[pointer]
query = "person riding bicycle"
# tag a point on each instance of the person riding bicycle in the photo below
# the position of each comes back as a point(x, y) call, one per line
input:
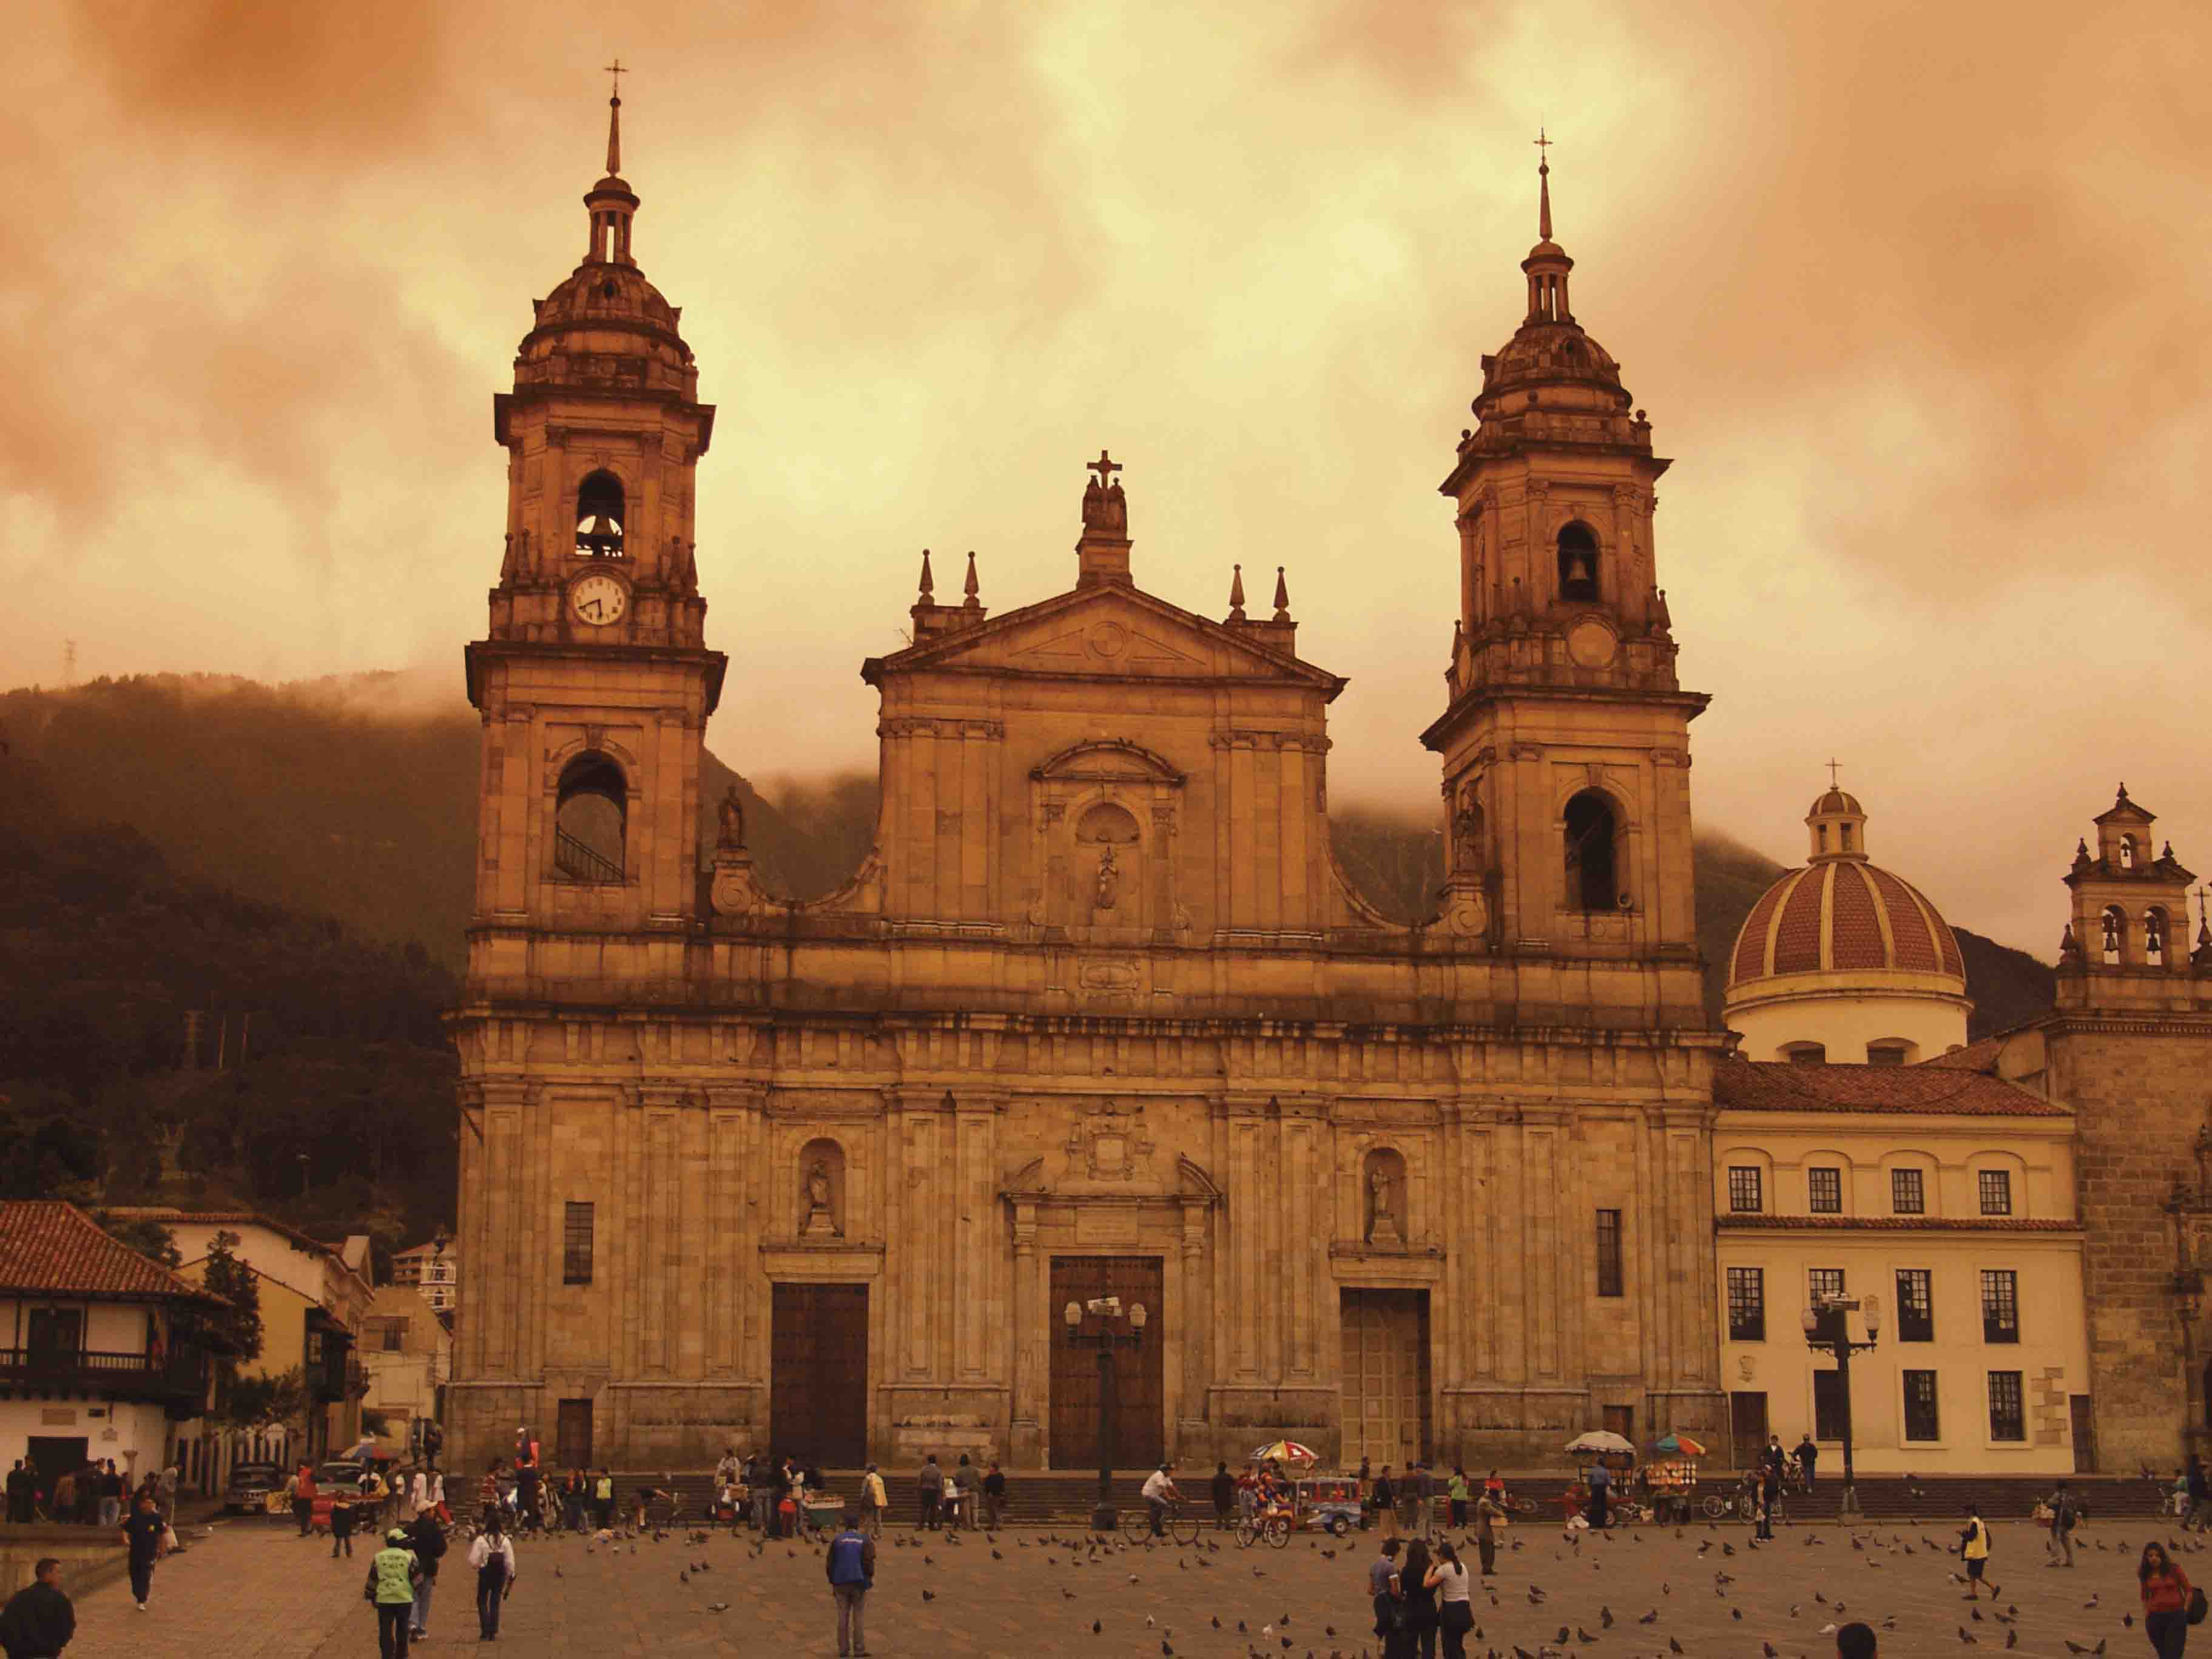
point(1159, 1491)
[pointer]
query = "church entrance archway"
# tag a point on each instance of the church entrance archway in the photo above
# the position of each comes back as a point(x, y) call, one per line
point(817, 1407)
point(1139, 1375)
point(1385, 1376)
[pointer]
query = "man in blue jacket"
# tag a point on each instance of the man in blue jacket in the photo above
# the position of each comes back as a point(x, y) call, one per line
point(852, 1574)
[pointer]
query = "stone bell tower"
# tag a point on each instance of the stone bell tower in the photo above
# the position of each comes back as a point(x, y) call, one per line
point(1565, 744)
point(594, 681)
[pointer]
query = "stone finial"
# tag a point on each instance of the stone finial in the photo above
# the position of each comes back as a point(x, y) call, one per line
point(2080, 854)
point(928, 582)
point(1282, 597)
point(970, 587)
point(2068, 950)
point(1236, 593)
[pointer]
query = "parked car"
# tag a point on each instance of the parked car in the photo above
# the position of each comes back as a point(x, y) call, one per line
point(247, 1491)
point(344, 1475)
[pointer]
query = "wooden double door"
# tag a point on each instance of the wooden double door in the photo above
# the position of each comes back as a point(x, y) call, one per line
point(1139, 1373)
point(1386, 1377)
point(818, 1374)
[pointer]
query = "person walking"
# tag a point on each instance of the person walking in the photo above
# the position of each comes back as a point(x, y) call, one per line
point(1599, 1481)
point(994, 1496)
point(1417, 1598)
point(145, 1536)
point(1974, 1549)
point(1224, 1497)
point(1489, 1511)
point(2065, 1514)
point(1421, 1495)
point(393, 1572)
point(1382, 1496)
point(1455, 1494)
point(487, 1494)
point(493, 1557)
point(303, 1499)
point(1389, 1608)
point(929, 1487)
point(1454, 1590)
point(1808, 1459)
point(341, 1525)
point(852, 1570)
point(2167, 1593)
point(874, 1500)
point(39, 1620)
point(1769, 1494)
point(428, 1540)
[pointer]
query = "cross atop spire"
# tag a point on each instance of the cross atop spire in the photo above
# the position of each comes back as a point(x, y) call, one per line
point(1834, 766)
point(1543, 187)
point(614, 119)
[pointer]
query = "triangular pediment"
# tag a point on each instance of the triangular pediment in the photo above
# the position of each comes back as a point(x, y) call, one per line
point(1107, 630)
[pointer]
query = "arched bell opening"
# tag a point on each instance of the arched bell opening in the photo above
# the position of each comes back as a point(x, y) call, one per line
point(600, 513)
point(590, 820)
point(1592, 859)
point(1577, 548)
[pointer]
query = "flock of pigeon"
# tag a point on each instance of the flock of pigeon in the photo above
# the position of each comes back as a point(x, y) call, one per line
point(1059, 1553)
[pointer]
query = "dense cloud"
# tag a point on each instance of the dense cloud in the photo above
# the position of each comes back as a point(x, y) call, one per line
point(1914, 294)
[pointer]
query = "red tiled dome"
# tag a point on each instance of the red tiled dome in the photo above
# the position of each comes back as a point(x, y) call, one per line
point(1843, 916)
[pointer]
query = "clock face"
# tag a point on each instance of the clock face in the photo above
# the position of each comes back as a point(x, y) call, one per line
point(598, 599)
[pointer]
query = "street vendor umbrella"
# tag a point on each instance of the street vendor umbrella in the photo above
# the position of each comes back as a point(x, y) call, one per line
point(1600, 1440)
point(1286, 1451)
point(1679, 1445)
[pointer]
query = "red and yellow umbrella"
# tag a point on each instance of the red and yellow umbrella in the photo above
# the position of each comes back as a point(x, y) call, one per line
point(1285, 1452)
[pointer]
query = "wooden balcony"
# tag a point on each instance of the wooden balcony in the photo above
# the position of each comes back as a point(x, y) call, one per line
point(176, 1378)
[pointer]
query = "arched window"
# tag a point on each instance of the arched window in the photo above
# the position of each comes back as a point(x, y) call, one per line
point(1577, 563)
point(2115, 925)
point(2127, 852)
point(1844, 830)
point(599, 515)
point(2154, 925)
point(590, 820)
point(1592, 883)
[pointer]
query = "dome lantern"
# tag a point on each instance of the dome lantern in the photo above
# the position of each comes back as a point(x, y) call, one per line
point(1837, 823)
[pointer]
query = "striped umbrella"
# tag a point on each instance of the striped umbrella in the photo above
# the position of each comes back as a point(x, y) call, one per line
point(1679, 1445)
point(1285, 1452)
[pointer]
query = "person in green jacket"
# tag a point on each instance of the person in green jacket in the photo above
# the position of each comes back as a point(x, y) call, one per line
point(393, 1572)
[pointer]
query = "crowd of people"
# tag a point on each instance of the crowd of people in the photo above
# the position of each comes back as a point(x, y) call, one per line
point(94, 1494)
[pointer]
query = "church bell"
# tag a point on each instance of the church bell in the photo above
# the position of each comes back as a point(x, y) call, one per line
point(602, 540)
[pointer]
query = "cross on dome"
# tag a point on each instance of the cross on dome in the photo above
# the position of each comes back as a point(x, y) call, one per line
point(1105, 466)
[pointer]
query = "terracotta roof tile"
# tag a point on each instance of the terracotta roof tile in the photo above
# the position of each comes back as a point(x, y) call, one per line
point(49, 1246)
point(1751, 943)
point(1907, 1224)
point(1797, 943)
point(1769, 1085)
point(1908, 927)
point(1856, 931)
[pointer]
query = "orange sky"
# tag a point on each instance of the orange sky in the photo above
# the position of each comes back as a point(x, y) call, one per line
point(1917, 297)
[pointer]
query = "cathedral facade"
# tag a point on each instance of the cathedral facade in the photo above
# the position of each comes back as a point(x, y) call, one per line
point(1100, 1014)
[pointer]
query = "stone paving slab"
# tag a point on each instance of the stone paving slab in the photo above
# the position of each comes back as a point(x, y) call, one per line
point(252, 1590)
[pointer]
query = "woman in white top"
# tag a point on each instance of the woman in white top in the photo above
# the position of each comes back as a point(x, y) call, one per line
point(1454, 1610)
point(493, 1557)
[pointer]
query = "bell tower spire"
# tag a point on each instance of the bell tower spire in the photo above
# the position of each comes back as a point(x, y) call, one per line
point(1565, 743)
point(611, 204)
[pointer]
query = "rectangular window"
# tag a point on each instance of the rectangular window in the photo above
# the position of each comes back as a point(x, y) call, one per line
point(2000, 1305)
point(1824, 1188)
point(2007, 1421)
point(1746, 1195)
point(1996, 1192)
point(395, 1335)
point(1608, 1253)
point(1827, 1406)
point(1908, 1193)
point(1921, 1421)
point(1826, 1285)
point(1916, 1305)
point(576, 1244)
point(1747, 1292)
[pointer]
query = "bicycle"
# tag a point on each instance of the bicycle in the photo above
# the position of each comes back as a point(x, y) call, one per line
point(1272, 1527)
point(1137, 1524)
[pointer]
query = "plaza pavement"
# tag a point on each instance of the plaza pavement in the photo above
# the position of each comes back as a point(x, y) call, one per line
point(252, 1589)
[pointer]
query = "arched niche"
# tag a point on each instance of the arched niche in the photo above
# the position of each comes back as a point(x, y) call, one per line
point(2157, 935)
point(1383, 1193)
point(591, 819)
point(820, 1189)
point(1594, 845)
point(1104, 817)
point(2112, 929)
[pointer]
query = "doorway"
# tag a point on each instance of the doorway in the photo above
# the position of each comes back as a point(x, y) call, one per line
point(1747, 1428)
point(1385, 1376)
point(818, 1397)
point(1139, 1374)
point(1621, 1420)
point(572, 1434)
point(2085, 1434)
point(54, 1455)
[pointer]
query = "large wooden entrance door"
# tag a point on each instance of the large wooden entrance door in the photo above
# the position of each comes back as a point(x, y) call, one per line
point(572, 1434)
point(1746, 1427)
point(1139, 1376)
point(817, 1404)
point(1386, 1377)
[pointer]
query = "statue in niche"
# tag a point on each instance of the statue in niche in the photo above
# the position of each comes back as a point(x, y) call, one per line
point(731, 812)
point(1467, 832)
point(1109, 885)
point(1382, 1208)
point(821, 1219)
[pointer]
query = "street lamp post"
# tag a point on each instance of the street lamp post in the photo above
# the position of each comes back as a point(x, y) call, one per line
point(1837, 1341)
point(1108, 1341)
